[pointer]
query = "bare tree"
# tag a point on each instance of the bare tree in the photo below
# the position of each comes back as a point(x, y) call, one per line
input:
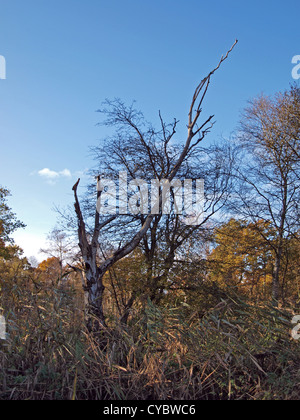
point(60, 247)
point(134, 138)
point(164, 245)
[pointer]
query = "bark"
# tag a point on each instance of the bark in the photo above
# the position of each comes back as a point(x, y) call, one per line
point(277, 266)
point(276, 279)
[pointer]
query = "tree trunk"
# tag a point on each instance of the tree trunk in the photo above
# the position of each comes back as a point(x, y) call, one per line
point(276, 277)
point(124, 317)
point(94, 290)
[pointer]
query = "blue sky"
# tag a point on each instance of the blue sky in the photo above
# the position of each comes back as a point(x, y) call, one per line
point(64, 57)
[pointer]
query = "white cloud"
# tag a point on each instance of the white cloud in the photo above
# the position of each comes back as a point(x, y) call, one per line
point(53, 176)
point(47, 173)
point(31, 243)
point(66, 173)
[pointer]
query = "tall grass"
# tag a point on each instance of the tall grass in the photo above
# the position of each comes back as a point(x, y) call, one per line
point(235, 351)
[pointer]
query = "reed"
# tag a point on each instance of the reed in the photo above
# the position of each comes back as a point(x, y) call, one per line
point(235, 351)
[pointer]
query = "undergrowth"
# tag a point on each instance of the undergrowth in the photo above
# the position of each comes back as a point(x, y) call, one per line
point(235, 351)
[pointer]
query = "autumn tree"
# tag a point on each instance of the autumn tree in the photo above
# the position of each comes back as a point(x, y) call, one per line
point(8, 224)
point(241, 258)
point(50, 271)
point(269, 170)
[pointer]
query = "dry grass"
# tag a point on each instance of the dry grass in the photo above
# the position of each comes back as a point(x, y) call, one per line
point(236, 351)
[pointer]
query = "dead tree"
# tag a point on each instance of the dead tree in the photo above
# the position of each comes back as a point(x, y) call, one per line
point(162, 166)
